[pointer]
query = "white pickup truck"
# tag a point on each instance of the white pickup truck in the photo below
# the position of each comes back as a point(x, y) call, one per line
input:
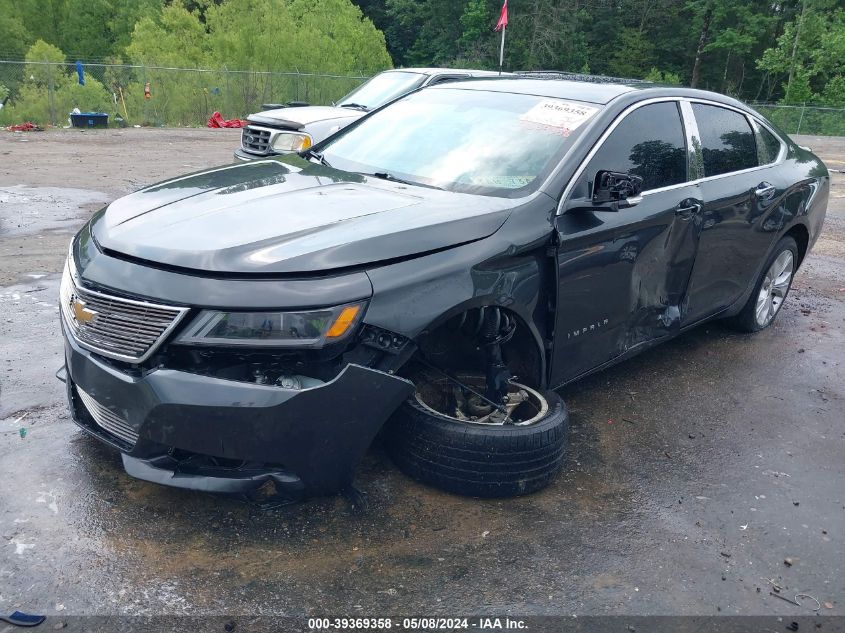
point(295, 129)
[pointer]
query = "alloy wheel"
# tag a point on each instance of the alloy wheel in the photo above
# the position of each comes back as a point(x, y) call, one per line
point(775, 286)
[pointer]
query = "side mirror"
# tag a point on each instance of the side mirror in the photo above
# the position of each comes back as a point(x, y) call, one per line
point(616, 190)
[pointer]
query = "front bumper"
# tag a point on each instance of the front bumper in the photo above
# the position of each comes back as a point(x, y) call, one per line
point(241, 155)
point(205, 433)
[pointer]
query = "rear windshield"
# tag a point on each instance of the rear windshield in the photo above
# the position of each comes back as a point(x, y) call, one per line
point(472, 141)
point(383, 88)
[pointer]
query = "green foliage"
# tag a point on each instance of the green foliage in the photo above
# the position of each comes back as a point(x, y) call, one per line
point(834, 93)
point(634, 55)
point(475, 23)
point(325, 36)
point(175, 37)
point(85, 32)
point(14, 36)
point(810, 55)
point(759, 50)
point(50, 92)
point(801, 120)
point(663, 77)
point(40, 68)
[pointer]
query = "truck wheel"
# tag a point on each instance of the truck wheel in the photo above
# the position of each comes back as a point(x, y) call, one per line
point(771, 289)
point(433, 440)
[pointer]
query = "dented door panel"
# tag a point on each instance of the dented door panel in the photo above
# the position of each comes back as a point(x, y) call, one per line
point(622, 277)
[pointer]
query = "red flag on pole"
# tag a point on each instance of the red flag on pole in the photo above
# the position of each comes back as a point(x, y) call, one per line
point(502, 25)
point(503, 18)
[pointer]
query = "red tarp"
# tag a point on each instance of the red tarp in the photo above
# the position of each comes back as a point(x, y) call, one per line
point(25, 127)
point(217, 120)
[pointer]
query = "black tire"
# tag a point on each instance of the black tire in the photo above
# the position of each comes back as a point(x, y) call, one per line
point(746, 320)
point(479, 460)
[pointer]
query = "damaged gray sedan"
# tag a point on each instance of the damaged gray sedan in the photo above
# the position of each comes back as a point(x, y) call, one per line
point(434, 271)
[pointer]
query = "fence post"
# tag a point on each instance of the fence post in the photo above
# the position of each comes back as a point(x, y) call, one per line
point(801, 118)
point(50, 94)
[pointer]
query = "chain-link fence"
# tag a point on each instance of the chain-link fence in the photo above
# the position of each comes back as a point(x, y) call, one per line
point(804, 119)
point(45, 93)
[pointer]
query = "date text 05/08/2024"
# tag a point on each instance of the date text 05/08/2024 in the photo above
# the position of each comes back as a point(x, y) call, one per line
point(416, 624)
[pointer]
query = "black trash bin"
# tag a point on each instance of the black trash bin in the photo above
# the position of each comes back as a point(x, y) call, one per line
point(89, 119)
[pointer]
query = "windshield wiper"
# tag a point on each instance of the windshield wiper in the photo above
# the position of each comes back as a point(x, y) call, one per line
point(356, 106)
point(383, 175)
point(310, 153)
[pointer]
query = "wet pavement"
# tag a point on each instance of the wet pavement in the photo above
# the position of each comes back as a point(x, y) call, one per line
point(695, 470)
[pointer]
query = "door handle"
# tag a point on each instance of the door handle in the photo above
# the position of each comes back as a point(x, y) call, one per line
point(765, 191)
point(687, 209)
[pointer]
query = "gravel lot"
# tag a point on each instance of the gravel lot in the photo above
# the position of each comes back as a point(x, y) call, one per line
point(694, 471)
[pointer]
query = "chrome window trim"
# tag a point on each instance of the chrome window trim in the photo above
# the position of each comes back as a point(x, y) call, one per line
point(77, 285)
point(695, 167)
point(681, 101)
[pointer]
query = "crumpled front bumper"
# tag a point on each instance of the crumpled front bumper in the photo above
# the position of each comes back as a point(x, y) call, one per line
point(241, 155)
point(191, 428)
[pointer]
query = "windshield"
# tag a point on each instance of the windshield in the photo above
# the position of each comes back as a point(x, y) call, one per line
point(490, 143)
point(382, 88)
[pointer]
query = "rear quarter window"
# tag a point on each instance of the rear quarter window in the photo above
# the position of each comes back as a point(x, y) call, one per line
point(768, 146)
point(727, 140)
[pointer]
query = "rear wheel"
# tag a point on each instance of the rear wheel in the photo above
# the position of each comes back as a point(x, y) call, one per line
point(447, 436)
point(771, 289)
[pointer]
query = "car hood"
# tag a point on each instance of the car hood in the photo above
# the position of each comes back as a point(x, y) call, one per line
point(288, 215)
point(300, 118)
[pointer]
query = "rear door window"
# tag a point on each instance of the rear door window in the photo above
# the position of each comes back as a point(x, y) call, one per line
point(727, 140)
point(649, 143)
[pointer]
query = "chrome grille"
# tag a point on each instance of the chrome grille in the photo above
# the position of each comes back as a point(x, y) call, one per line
point(107, 419)
point(255, 140)
point(125, 329)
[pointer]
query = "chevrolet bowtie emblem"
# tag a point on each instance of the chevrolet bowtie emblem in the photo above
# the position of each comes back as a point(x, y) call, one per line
point(81, 314)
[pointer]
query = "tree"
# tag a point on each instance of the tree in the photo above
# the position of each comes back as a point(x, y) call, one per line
point(14, 36)
point(810, 54)
point(282, 36)
point(704, 11)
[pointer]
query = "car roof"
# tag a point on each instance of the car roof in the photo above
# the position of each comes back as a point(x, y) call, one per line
point(591, 90)
point(447, 71)
point(600, 93)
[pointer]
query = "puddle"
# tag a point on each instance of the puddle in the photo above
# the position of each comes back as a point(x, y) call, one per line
point(30, 210)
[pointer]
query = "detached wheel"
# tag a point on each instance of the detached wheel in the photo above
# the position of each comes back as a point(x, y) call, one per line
point(771, 289)
point(446, 437)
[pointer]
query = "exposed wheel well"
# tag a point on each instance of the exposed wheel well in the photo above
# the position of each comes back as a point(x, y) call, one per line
point(454, 346)
point(801, 236)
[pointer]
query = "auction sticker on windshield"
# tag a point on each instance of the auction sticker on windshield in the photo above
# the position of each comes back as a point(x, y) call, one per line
point(564, 116)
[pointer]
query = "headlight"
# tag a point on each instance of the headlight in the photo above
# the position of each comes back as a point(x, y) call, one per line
point(310, 329)
point(291, 142)
point(67, 287)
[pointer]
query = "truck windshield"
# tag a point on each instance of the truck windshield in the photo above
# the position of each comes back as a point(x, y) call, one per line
point(472, 141)
point(381, 89)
